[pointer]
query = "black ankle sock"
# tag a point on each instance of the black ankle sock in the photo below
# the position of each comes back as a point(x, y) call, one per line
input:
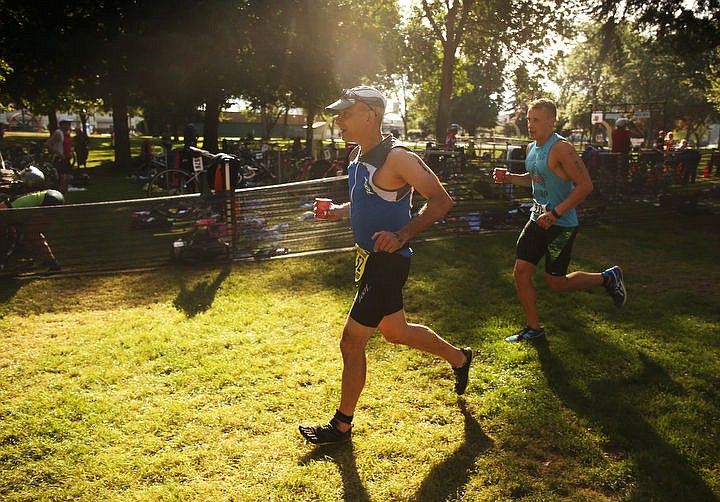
point(341, 417)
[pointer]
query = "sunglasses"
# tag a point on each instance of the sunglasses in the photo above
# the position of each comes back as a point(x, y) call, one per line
point(351, 95)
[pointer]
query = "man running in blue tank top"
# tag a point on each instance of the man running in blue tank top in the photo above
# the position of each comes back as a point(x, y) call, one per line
point(559, 182)
point(382, 175)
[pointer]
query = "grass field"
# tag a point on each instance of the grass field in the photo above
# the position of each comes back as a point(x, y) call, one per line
point(186, 384)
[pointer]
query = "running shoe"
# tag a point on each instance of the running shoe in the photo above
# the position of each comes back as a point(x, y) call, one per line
point(463, 372)
point(325, 434)
point(527, 333)
point(615, 286)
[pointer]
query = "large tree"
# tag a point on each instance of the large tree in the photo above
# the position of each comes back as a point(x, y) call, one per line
point(448, 24)
point(485, 34)
point(686, 26)
point(639, 77)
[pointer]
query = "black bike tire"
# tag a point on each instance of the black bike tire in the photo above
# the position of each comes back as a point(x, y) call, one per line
point(190, 185)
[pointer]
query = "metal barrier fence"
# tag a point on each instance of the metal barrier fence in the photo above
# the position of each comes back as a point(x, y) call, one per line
point(270, 221)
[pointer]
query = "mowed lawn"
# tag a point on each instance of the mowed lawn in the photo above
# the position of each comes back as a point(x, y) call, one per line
point(189, 384)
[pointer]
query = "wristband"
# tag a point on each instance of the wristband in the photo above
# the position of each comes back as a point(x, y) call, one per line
point(554, 213)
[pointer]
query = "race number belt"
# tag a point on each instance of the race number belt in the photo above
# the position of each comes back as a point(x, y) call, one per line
point(361, 257)
point(539, 209)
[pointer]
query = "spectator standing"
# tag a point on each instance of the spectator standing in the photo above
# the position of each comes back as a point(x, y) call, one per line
point(80, 143)
point(669, 141)
point(451, 137)
point(660, 140)
point(621, 137)
point(559, 182)
point(60, 146)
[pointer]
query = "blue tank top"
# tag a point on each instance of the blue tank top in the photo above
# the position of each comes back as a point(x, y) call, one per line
point(373, 209)
point(548, 188)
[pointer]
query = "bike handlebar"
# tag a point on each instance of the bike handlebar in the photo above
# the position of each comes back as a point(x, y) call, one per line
point(205, 153)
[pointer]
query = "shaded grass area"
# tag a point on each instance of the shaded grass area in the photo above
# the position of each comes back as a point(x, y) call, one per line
point(189, 384)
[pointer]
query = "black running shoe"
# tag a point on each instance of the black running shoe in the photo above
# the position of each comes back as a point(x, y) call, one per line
point(463, 372)
point(324, 434)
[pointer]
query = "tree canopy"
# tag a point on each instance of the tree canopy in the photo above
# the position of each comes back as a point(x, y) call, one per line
point(458, 61)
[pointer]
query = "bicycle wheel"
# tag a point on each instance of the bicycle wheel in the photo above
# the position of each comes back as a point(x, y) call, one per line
point(172, 182)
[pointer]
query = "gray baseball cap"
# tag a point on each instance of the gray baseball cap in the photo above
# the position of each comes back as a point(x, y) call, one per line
point(363, 94)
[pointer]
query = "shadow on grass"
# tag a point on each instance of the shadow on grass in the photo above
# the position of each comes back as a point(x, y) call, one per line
point(447, 479)
point(661, 472)
point(343, 455)
point(200, 297)
point(8, 289)
point(444, 481)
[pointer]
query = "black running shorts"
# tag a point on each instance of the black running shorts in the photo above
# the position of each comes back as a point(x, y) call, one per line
point(555, 244)
point(380, 288)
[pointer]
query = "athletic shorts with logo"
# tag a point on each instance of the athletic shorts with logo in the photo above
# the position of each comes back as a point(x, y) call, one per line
point(380, 288)
point(554, 243)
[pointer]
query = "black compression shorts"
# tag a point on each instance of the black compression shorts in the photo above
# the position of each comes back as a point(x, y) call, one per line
point(380, 288)
point(555, 244)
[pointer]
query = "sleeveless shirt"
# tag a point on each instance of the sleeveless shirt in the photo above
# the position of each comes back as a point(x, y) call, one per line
point(372, 208)
point(548, 188)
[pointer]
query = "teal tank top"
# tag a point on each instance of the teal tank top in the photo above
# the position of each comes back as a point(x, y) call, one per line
point(548, 188)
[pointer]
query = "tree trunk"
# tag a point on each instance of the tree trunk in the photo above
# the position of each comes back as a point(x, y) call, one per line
point(446, 85)
point(121, 131)
point(211, 123)
point(52, 121)
point(285, 122)
point(83, 121)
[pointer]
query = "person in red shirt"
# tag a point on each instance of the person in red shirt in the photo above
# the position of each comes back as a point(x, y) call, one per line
point(621, 137)
point(451, 138)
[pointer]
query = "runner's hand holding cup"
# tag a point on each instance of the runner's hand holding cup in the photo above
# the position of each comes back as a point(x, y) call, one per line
point(322, 208)
point(499, 175)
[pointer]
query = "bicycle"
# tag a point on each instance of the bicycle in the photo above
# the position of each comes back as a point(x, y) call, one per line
point(175, 181)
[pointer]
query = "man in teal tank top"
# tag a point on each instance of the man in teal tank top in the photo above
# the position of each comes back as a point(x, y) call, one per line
point(382, 176)
point(559, 181)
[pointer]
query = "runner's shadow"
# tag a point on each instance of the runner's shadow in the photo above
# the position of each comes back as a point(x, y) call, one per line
point(662, 473)
point(446, 480)
point(8, 289)
point(200, 297)
point(343, 455)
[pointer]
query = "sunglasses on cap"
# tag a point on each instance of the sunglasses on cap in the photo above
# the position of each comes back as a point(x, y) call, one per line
point(351, 95)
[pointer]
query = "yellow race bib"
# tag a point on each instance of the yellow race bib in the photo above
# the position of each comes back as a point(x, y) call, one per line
point(361, 257)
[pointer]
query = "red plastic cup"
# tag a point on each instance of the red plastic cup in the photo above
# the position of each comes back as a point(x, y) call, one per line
point(499, 174)
point(322, 206)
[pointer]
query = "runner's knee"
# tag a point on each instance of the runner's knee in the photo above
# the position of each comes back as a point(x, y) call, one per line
point(351, 342)
point(556, 283)
point(523, 271)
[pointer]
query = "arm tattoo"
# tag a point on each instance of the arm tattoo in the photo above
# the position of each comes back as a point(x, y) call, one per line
point(424, 166)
